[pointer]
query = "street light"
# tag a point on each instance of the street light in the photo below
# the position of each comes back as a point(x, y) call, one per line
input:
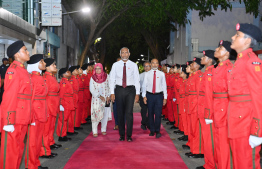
point(142, 55)
point(84, 10)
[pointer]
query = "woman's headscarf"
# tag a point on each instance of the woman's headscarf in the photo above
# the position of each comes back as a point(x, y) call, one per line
point(33, 67)
point(101, 77)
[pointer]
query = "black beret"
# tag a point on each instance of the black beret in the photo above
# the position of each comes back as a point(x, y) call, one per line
point(177, 65)
point(173, 66)
point(4, 59)
point(78, 66)
point(166, 65)
point(183, 68)
point(62, 71)
point(250, 30)
point(49, 61)
point(226, 45)
point(14, 48)
point(198, 61)
point(72, 68)
point(84, 67)
point(209, 53)
point(91, 63)
point(189, 62)
point(35, 58)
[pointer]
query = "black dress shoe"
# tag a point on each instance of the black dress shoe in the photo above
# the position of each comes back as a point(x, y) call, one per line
point(173, 127)
point(181, 138)
point(57, 145)
point(143, 127)
point(196, 156)
point(185, 147)
point(186, 138)
point(122, 139)
point(40, 167)
point(78, 128)
point(49, 157)
point(158, 135)
point(187, 154)
point(129, 139)
point(54, 154)
point(63, 139)
point(179, 132)
point(166, 119)
point(151, 133)
point(53, 147)
point(71, 134)
point(168, 123)
point(200, 167)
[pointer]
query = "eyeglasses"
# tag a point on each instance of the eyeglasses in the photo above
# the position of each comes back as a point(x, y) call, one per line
point(147, 66)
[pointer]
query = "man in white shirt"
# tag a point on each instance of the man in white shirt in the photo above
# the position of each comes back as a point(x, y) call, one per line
point(144, 122)
point(125, 88)
point(155, 95)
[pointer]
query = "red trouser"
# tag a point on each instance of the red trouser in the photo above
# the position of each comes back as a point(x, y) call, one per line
point(85, 112)
point(184, 123)
point(45, 148)
point(170, 113)
point(244, 157)
point(180, 122)
point(176, 116)
point(197, 141)
point(79, 114)
point(71, 121)
point(222, 148)
point(33, 145)
point(52, 121)
point(62, 122)
point(209, 146)
point(190, 137)
point(89, 107)
point(12, 147)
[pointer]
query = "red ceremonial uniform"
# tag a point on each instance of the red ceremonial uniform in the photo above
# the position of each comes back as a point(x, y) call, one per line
point(87, 97)
point(170, 87)
point(196, 145)
point(164, 108)
point(188, 123)
point(205, 108)
point(220, 94)
point(80, 110)
point(72, 117)
point(52, 100)
point(39, 112)
point(67, 101)
point(182, 104)
point(245, 109)
point(177, 114)
point(15, 110)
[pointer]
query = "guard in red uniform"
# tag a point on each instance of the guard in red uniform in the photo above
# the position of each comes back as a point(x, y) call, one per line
point(196, 146)
point(182, 103)
point(86, 81)
point(187, 137)
point(52, 100)
point(205, 109)
point(15, 107)
point(245, 95)
point(72, 118)
point(39, 112)
point(170, 79)
point(164, 109)
point(80, 110)
point(220, 102)
point(90, 69)
point(67, 106)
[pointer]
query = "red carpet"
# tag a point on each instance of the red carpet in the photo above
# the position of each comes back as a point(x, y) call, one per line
point(107, 152)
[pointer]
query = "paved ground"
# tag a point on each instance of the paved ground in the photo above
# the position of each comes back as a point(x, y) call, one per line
point(69, 148)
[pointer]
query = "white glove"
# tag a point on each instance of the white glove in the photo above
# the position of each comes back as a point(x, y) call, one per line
point(174, 99)
point(208, 121)
point(33, 124)
point(254, 141)
point(9, 128)
point(62, 108)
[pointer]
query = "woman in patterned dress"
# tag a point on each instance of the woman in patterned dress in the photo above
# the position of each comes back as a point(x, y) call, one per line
point(99, 87)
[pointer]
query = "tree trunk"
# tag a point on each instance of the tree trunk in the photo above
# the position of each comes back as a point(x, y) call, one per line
point(103, 51)
point(153, 44)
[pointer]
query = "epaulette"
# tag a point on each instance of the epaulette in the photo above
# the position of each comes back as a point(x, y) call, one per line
point(13, 65)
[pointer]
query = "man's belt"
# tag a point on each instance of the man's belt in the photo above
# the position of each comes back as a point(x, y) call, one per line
point(155, 93)
point(53, 94)
point(81, 89)
point(220, 95)
point(68, 95)
point(240, 98)
point(24, 96)
point(182, 95)
point(36, 97)
point(192, 92)
point(201, 93)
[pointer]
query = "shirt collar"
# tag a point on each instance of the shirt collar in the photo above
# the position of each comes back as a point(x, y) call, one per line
point(244, 53)
point(48, 73)
point(18, 63)
point(209, 67)
point(36, 73)
point(223, 63)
